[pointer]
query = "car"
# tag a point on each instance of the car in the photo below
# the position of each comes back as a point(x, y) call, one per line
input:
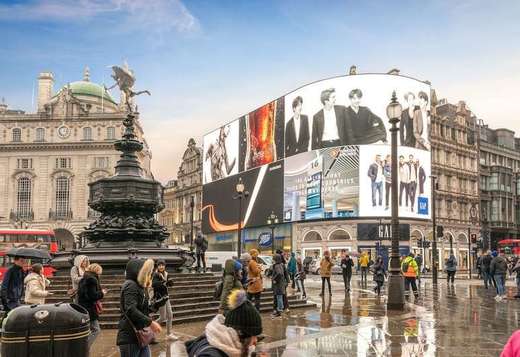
point(265, 262)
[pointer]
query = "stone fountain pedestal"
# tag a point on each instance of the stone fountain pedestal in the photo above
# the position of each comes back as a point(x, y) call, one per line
point(127, 227)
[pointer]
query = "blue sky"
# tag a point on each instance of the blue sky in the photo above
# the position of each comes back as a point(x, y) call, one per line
point(207, 62)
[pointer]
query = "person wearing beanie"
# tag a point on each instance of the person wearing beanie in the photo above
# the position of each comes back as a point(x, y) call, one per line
point(232, 280)
point(280, 280)
point(160, 284)
point(233, 335)
point(255, 284)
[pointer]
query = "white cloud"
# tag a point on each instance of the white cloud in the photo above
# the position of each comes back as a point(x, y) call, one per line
point(154, 15)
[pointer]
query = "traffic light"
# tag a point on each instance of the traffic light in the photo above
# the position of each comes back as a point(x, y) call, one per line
point(440, 231)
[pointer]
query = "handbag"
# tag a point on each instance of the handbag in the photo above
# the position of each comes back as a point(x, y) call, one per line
point(219, 286)
point(98, 306)
point(72, 293)
point(144, 336)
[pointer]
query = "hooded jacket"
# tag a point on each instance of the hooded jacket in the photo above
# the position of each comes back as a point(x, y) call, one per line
point(89, 292)
point(76, 272)
point(280, 278)
point(12, 287)
point(35, 285)
point(218, 340)
point(498, 266)
point(133, 302)
point(291, 266)
point(160, 284)
point(231, 281)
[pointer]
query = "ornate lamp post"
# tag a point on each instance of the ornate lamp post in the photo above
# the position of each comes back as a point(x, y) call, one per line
point(395, 280)
point(272, 221)
point(241, 193)
point(192, 205)
point(435, 252)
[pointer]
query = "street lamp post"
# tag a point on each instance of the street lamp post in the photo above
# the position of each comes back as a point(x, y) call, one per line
point(192, 205)
point(272, 221)
point(240, 194)
point(395, 280)
point(434, 233)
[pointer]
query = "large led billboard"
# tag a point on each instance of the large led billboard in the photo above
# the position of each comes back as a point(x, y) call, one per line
point(332, 140)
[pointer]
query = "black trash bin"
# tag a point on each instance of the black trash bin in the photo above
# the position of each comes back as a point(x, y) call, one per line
point(48, 330)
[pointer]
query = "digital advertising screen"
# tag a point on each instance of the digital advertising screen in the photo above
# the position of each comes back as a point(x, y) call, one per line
point(330, 144)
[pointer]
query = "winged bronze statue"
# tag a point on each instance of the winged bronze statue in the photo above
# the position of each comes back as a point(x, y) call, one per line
point(125, 80)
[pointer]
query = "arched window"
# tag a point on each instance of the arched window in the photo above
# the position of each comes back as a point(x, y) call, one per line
point(111, 133)
point(312, 236)
point(40, 134)
point(17, 134)
point(23, 198)
point(339, 234)
point(87, 133)
point(62, 197)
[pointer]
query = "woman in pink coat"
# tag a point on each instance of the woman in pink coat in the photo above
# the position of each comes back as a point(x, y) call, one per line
point(512, 347)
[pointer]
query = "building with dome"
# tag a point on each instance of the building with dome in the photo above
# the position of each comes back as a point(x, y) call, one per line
point(48, 158)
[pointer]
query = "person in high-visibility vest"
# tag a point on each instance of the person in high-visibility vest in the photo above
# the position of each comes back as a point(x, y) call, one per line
point(410, 272)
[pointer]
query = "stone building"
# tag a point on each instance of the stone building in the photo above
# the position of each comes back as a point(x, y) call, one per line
point(499, 184)
point(178, 195)
point(455, 164)
point(48, 158)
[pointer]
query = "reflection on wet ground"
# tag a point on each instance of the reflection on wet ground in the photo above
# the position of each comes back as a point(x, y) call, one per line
point(463, 320)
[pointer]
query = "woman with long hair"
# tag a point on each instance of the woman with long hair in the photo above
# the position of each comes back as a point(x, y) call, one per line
point(89, 295)
point(325, 272)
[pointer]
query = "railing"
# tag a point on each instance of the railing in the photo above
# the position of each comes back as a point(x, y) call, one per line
point(60, 215)
point(21, 215)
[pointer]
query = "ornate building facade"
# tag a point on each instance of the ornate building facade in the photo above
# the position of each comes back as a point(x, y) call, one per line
point(48, 158)
point(179, 195)
point(455, 165)
point(499, 184)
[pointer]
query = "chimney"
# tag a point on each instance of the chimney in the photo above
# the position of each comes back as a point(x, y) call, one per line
point(394, 71)
point(353, 70)
point(3, 106)
point(45, 89)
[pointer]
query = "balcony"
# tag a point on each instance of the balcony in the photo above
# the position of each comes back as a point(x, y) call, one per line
point(60, 215)
point(26, 215)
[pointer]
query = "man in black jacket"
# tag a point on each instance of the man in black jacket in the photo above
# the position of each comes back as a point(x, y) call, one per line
point(346, 267)
point(367, 127)
point(201, 245)
point(330, 127)
point(485, 263)
point(12, 285)
point(297, 130)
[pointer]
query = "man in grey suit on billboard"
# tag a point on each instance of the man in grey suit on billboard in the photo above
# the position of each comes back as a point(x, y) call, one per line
point(330, 127)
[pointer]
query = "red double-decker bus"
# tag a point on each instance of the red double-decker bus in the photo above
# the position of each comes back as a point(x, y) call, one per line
point(509, 246)
point(30, 238)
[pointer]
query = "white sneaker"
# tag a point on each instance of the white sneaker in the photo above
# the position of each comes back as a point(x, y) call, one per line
point(172, 337)
point(498, 298)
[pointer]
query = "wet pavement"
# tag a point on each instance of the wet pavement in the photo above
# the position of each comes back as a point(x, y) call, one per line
point(463, 320)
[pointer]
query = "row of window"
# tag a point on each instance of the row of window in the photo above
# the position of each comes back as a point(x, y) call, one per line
point(499, 182)
point(40, 134)
point(62, 187)
point(457, 135)
point(453, 210)
point(65, 163)
point(487, 158)
point(458, 161)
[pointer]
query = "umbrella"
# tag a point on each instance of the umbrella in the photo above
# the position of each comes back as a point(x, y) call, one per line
point(28, 253)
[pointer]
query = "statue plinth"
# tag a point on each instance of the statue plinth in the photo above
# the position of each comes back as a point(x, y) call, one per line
point(127, 227)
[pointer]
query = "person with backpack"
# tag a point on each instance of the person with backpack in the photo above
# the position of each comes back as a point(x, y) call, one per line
point(201, 246)
point(36, 286)
point(451, 268)
point(160, 284)
point(300, 277)
point(498, 269)
point(255, 284)
point(291, 268)
point(325, 272)
point(89, 297)
point(232, 279)
point(410, 272)
point(13, 285)
point(280, 280)
point(346, 269)
point(379, 272)
point(364, 261)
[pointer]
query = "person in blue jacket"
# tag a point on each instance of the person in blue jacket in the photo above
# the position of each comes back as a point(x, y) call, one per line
point(12, 285)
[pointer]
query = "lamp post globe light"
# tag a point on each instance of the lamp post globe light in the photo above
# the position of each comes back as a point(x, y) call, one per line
point(272, 221)
point(241, 193)
point(395, 280)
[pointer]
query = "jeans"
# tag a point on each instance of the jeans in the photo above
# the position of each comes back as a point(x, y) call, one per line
point(410, 281)
point(323, 280)
point(301, 285)
point(412, 188)
point(388, 188)
point(500, 280)
point(293, 283)
point(256, 298)
point(201, 258)
point(403, 186)
point(488, 279)
point(346, 279)
point(134, 351)
point(279, 303)
point(377, 187)
point(364, 274)
point(166, 315)
point(95, 329)
point(451, 275)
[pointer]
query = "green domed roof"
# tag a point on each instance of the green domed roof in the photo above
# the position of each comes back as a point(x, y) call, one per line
point(91, 89)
